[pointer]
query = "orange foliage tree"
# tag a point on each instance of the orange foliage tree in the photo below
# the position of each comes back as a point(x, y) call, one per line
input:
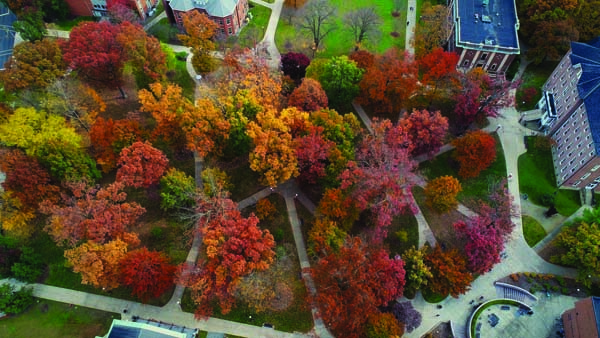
point(426, 131)
point(205, 127)
point(475, 152)
point(141, 165)
point(200, 31)
point(309, 96)
point(440, 193)
point(449, 272)
point(109, 137)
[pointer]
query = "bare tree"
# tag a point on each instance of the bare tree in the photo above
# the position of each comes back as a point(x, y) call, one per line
point(363, 23)
point(318, 18)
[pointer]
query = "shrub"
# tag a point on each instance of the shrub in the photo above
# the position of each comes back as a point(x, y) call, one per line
point(514, 277)
point(265, 209)
point(29, 267)
point(176, 190)
point(565, 291)
point(560, 280)
point(14, 302)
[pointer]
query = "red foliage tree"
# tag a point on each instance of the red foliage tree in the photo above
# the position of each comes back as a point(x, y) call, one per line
point(364, 59)
point(353, 283)
point(294, 65)
point(309, 96)
point(109, 137)
point(500, 209)
point(449, 270)
point(475, 152)
point(148, 273)
point(380, 178)
point(389, 82)
point(439, 72)
point(141, 165)
point(26, 180)
point(426, 131)
point(234, 246)
point(312, 151)
point(90, 213)
point(483, 243)
point(93, 50)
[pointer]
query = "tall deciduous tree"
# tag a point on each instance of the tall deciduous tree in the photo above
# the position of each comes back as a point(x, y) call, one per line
point(340, 80)
point(440, 193)
point(109, 137)
point(15, 220)
point(93, 50)
point(483, 243)
point(177, 190)
point(318, 19)
point(418, 273)
point(439, 73)
point(234, 247)
point(388, 84)
point(144, 53)
point(353, 283)
point(309, 96)
point(312, 151)
point(148, 273)
point(294, 65)
point(475, 152)
point(363, 58)
point(141, 165)
point(364, 24)
point(381, 177)
point(33, 65)
point(433, 30)
point(91, 213)
point(449, 270)
point(325, 237)
point(426, 131)
point(206, 128)
point(200, 31)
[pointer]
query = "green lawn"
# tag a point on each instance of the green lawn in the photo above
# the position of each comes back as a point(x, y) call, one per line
point(340, 41)
point(533, 231)
point(67, 25)
point(536, 179)
point(474, 189)
point(255, 29)
point(49, 319)
point(403, 234)
point(178, 71)
point(535, 76)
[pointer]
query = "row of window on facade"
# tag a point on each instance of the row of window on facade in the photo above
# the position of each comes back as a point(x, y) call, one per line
point(585, 176)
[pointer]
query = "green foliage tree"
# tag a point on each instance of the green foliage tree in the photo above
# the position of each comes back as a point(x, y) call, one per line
point(12, 301)
point(176, 190)
point(417, 272)
point(581, 242)
point(29, 267)
point(340, 80)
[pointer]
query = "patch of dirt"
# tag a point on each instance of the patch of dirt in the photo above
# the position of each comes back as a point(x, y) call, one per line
point(551, 249)
point(396, 14)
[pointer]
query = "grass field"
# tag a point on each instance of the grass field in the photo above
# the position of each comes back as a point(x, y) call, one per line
point(258, 25)
point(340, 42)
point(402, 225)
point(536, 179)
point(535, 76)
point(533, 231)
point(47, 319)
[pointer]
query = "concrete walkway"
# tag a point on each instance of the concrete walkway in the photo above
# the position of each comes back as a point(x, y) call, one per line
point(411, 20)
point(363, 116)
point(268, 41)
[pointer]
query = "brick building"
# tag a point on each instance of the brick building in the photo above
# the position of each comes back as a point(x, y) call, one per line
point(98, 8)
point(569, 112)
point(229, 15)
point(484, 34)
point(583, 321)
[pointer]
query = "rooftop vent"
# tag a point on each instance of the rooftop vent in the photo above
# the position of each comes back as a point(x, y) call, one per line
point(489, 41)
point(486, 18)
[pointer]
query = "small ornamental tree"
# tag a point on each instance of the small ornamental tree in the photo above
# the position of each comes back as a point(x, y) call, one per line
point(383, 325)
point(309, 96)
point(148, 273)
point(440, 193)
point(364, 59)
point(449, 271)
point(294, 65)
point(405, 313)
point(141, 165)
point(325, 237)
point(418, 273)
point(483, 243)
point(475, 152)
point(312, 151)
point(177, 190)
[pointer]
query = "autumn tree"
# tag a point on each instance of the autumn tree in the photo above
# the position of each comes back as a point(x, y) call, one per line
point(26, 180)
point(449, 271)
point(383, 325)
point(475, 152)
point(234, 247)
point(16, 221)
point(388, 84)
point(98, 263)
point(440, 76)
point(440, 193)
point(141, 165)
point(273, 155)
point(177, 190)
point(499, 208)
point(33, 65)
point(144, 53)
point(363, 58)
point(426, 131)
point(51, 140)
point(433, 29)
point(93, 50)
point(119, 11)
point(148, 273)
point(353, 283)
point(294, 65)
point(318, 20)
point(581, 242)
point(381, 177)
point(30, 19)
point(364, 24)
point(340, 80)
point(325, 237)
point(484, 243)
point(91, 213)
point(312, 152)
point(309, 96)
point(551, 39)
point(406, 314)
point(206, 128)
point(200, 31)
point(109, 137)
point(418, 273)
point(587, 24)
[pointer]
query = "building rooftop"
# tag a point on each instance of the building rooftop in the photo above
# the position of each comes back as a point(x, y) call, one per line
point(147, 329)
point(7, 34)
point(487, 25)
point(218, 8)
point(587, 56)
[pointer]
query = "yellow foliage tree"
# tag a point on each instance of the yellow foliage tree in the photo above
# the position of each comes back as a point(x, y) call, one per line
point(441, 193)
point(14, 219)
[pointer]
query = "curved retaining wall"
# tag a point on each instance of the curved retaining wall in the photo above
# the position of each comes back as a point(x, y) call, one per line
point(468, 327)
point(514, 287)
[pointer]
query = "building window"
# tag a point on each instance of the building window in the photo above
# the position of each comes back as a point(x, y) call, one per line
point(484, 56)
point(493, 67)
point(229, 21)
point(466, 63)
point(229, 30)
